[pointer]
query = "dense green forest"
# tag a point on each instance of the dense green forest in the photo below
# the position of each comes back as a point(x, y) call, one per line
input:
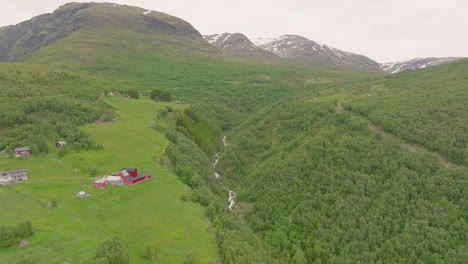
point(325, 189)
point(38, 105)
point(199, 130)
point(427, 107)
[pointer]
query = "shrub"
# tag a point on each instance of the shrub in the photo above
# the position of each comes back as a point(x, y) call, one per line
point(114, 251)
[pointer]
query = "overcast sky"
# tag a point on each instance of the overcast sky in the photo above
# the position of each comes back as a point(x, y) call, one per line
point(384, 30)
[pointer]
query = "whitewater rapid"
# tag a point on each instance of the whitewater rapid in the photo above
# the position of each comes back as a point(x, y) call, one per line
point(232, 194)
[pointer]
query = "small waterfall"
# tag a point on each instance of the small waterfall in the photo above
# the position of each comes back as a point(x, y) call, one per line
point(232, 194)
point(216, 159)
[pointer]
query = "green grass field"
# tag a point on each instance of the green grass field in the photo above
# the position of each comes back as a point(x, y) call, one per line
point(148, 213)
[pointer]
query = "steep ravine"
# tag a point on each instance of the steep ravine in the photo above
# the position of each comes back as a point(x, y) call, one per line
point(232, 193)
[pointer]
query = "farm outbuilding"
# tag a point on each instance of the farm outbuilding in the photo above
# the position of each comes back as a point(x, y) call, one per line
point(128, 176)
point(101, 183)
point(131, 176)
point(22, 152)
point(60, 144)
point(116, 180)
point(82, 194)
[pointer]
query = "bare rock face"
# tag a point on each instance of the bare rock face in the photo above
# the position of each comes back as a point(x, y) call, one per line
point(19, 40)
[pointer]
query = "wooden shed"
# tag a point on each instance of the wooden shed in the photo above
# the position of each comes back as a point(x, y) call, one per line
point(60, 144)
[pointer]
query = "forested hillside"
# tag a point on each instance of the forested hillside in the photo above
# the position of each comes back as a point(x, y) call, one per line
point(323, 188)
point(225, 92)
point(38, 105)
point(427, 107)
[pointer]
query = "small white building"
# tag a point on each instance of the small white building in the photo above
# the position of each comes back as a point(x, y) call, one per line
point(82, 194)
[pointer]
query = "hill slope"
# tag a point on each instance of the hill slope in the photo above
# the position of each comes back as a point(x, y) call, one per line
point(318, 186)
point(19, 40)
point(148, 214)
point(427, 107)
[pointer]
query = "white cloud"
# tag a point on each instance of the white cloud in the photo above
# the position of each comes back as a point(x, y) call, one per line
point(380, 29)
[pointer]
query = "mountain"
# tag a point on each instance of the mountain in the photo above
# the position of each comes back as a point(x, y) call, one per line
point(19, 40)
point(299, 48)
point(259, 41)
point(237, 44)
point(418, 63)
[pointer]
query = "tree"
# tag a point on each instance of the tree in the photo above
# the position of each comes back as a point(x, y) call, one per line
point(24, 229)
point(155, 94)
point(114, 251)
point(7, 236)
point(42, 146)
point(93, 171)
point(165, 96)
point(54, 202)
point(134, 93)
point(161, 95)
point(63, 151)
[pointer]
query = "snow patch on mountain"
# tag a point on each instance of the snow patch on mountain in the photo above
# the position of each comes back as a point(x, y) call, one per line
point(300, 48)
point(258, 41)
point(417, 63)
point(227, 40)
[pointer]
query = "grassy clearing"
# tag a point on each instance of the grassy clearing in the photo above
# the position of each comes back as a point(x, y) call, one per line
point(146, 214)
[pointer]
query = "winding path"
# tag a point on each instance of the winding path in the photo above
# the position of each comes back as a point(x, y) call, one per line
point(414, 147)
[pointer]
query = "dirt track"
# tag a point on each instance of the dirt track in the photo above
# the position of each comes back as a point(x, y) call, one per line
point(414, 147)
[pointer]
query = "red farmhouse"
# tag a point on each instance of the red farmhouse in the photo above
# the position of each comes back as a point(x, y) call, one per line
point(131, 176)
point(127, 176)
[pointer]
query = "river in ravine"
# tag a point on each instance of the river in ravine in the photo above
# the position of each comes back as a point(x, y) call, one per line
point(232, 193)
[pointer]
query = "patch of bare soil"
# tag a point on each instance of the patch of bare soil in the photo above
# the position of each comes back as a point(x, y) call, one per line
point(24, 243)
point(242, 208)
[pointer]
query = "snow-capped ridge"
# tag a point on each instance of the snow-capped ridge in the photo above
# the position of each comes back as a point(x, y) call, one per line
point(416, 63)
point(297, 47)
point(239, 45)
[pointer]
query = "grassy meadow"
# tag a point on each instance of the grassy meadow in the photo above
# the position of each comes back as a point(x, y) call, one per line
point(151, 213)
